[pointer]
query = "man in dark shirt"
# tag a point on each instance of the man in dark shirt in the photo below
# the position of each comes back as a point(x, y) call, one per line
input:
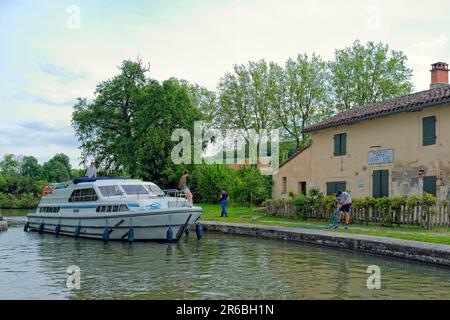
point(223, 202)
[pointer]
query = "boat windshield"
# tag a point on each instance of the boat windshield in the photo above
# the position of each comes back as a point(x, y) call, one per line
point(110, 191)
point(155, 189)
point(134, 189)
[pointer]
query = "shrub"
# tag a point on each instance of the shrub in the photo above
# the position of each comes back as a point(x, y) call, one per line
point(428, 200)
point(302, 204)
point(244, 185)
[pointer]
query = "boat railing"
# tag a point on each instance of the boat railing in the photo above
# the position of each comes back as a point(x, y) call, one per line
point(180, 196)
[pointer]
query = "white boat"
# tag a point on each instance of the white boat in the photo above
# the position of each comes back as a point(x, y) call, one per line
point(114, 209)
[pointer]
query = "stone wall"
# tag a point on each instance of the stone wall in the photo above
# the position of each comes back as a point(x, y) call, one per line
point(407, 249)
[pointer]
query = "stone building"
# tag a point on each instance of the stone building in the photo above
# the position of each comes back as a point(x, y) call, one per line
point(389, 148)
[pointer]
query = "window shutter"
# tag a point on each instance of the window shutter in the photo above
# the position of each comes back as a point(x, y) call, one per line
point(337, 144)
point(384, 177)
point(429, 185)
point(330, 188)
point(343, 144)
point(380, 183)
point(376, 184)
point(429, 130)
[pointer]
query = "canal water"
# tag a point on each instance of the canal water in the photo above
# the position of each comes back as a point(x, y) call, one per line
point(34, 266)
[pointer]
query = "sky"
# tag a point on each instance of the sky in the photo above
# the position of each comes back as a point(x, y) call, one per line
point(52, 52)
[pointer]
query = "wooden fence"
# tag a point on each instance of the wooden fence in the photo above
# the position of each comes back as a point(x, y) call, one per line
point(426, 217)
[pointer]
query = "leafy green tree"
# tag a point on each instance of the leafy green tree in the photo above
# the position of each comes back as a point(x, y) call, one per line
point(362, 74)
point(163, 108)
point(128, 126)
point(56, 172)
point(31, 168)
point(204, 100)
point(303, 95)
point(106, 126)
point(3, 182)
point(9, 164)
point(58, 168)
point(247, 97)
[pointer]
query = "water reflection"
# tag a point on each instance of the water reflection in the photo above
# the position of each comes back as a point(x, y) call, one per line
point(227, 267)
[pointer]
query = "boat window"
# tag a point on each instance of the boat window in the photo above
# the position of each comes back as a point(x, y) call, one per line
point(155, 189)
point(115, 208)
point(123, 207)
point(83, 195)
point(49, 209)
point(135, 189)
point(110, 191)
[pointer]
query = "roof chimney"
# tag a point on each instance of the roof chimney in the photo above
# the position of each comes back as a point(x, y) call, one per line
point(439, 75)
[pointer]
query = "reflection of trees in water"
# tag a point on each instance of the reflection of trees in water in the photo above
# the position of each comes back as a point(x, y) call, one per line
point(220, 266)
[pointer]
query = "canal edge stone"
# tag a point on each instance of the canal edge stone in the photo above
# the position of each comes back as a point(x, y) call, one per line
point(438, 254)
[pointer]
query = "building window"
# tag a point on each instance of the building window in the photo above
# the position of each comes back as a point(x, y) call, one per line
point(380, 183)
point(83, 195)
point(429, 131)
point(284, 185)
point(332, 187)
point(429, 185)
point(340, 144)
point(302, 187)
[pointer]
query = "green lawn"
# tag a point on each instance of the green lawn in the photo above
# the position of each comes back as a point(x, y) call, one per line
point(254, 215)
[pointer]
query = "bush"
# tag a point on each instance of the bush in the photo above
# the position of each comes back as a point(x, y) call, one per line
point(316, 205)
point(302, 204)
point(244, 185)
point(25, 201)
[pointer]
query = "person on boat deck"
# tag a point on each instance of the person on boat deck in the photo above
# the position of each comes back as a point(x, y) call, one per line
point(182, 185)
point(223, 196)
point(344, 205)
point(91, 171)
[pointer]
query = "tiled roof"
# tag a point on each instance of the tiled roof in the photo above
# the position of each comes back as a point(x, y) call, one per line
point(406, 103)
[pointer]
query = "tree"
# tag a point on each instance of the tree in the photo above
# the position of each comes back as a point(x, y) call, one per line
point(31, 168)
point(246, 97)
point(58, 168)
point(302, 95)
point(164, 108)
point(362, 74)
point(127, 127)
point(204, 100)
point(9, 164)
point(106, 127)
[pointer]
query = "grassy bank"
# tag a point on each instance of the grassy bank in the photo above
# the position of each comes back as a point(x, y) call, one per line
point(253, 215)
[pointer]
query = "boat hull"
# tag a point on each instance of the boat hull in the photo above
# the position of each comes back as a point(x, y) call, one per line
point(158, 225)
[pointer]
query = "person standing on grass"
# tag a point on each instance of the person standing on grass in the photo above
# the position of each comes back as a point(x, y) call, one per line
point(344, 205)
point(91, 171)
point(182, 185)
point(223, 196)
